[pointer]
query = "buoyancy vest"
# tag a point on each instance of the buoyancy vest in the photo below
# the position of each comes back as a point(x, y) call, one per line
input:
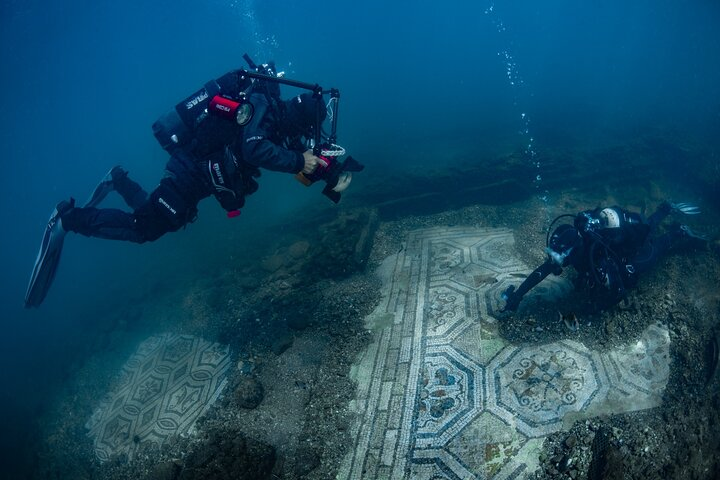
point(231, 179)
point(207, 123)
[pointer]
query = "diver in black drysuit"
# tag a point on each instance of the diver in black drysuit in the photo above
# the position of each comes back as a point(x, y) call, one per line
point(608, 248)
point(224, 161)
point(218, 155)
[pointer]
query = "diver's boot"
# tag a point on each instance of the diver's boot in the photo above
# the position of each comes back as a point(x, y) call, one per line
point(106, 185)
point(49, 255)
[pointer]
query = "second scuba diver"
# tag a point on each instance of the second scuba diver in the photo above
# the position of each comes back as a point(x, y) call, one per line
point(609, 248)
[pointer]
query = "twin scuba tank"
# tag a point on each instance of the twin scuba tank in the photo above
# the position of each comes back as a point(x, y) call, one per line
point(224, 98)
point(617, 227)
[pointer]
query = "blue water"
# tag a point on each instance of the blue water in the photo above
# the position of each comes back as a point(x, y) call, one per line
point(82, 81)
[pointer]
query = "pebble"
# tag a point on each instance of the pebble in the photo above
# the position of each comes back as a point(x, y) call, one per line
point(245, 366)
point(281, 344)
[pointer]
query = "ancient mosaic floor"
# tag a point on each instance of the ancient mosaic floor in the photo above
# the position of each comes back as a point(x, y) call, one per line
point(443, 396)
point(167, 384)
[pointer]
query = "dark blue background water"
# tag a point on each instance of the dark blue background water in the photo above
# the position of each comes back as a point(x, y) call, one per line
point(82, 81)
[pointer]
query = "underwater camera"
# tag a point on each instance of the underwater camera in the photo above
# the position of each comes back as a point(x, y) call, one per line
point(337, 174)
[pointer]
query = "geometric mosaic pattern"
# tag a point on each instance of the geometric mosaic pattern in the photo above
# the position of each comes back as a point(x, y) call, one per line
point(441, 395)
point(165, 386)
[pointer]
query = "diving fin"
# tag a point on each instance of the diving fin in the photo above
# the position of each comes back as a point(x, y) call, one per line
point(48, 257)
point(686, 232)
point(105, 186)
point(51, 246)
point(686, 208)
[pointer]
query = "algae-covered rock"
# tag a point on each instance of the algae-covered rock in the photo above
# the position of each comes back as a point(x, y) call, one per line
point(249, 392)
point(229, 455)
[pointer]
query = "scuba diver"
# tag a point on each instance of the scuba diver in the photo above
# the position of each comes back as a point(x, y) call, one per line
point(609, 248)
point(218, 138)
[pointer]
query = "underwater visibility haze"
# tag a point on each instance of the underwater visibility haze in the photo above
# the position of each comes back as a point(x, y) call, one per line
point(481, 120)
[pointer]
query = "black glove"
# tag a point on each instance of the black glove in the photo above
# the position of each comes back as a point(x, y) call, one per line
point(512, 300)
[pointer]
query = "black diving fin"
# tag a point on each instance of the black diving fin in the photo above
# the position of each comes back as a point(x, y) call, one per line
point(48, 257)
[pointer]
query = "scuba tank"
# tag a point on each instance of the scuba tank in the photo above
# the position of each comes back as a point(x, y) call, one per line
point(223, 98)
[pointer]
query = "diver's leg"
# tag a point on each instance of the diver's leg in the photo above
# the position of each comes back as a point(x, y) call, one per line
point(146, 224)
point(665, 208)
point(107, 223)
point(117, 179)
point(649, 254)
point(129, 190)
point(167, 209)
point(170, 206)
point(656, 218)
point(102, 189)
point(656, 247)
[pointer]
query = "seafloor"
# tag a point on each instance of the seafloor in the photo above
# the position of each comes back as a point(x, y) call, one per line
point(366, 341)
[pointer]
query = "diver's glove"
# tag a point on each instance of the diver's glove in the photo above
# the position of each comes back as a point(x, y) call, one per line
point(512, 300)
point(686, 208)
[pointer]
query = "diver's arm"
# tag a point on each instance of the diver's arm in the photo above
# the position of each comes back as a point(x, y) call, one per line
point(259, 151)
point(663, 210)
point(611, 278)
point(538, 275)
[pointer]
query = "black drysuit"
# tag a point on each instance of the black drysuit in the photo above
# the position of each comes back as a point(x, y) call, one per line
point(222, 160)
point(610, 259)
